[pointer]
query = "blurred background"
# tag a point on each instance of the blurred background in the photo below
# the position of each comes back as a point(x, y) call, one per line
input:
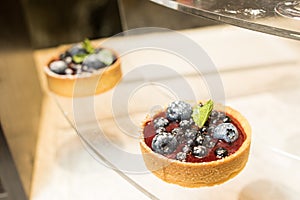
point(28, 25)
point(42, 157)
point(55, 22)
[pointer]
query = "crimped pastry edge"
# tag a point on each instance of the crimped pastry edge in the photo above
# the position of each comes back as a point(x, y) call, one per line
point(192, 175)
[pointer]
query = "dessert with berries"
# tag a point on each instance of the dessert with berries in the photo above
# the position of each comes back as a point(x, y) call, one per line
point(83, 70)
point(194, 146)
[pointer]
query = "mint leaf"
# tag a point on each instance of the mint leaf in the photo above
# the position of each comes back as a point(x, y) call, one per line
point(79, 58)
point(87, 45)
point(201, 114)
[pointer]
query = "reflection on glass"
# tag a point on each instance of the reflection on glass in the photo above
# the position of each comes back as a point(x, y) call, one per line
point(289, 9)
point(275, 17)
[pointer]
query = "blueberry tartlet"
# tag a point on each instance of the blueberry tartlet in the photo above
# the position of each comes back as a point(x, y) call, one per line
point(83, 70)
point(195, 146)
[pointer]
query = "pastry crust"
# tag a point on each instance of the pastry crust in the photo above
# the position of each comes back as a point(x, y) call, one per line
point(85, 85)
point(191, 175)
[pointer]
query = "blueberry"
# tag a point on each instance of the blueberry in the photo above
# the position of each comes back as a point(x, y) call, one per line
point(76, 66)
point(180, 139)
point(191, 134)
point(200, 151)
point(221, 152)
point(160, 122)
point(231, 135)
point(105, 56)
point(85, 68)
point(227, 132)
point(179, 134)
point(58, 67)
point(68, 71)
point(164, 143)
point(211, 129)
point(186, 149)
point(221, 115)
point(200, 139)
point(160, 130)
point(203, 129)
point(179, 110)
point(214, 121)
point(190, 142)
point(209, 142)
point(181, 156)
point(76, 50)
point(92, 62)
point(226, 119)
point(177, 131)
point(68, 59)
point(186, 123)
point(214, 114)
point(64, 55)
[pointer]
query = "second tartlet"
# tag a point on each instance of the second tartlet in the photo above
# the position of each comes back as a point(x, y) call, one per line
point(83, 70)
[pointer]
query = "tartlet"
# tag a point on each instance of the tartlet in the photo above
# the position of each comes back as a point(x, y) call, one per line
point(79, 80)
point(197, 172)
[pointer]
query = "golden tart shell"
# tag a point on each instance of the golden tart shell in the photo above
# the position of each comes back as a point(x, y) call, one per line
point(192, 175)
point(95, 83)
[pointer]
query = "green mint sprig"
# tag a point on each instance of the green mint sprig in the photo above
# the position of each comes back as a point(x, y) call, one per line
point(79, 58)
point(201, 113)
point(87, 45)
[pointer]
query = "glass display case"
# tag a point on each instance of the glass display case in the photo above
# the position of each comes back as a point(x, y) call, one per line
point(278, 17)
point(263, 85)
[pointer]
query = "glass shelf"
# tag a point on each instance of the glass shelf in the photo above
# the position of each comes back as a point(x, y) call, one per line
point(268, 16)
point(271, 172)
point(109, 123)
